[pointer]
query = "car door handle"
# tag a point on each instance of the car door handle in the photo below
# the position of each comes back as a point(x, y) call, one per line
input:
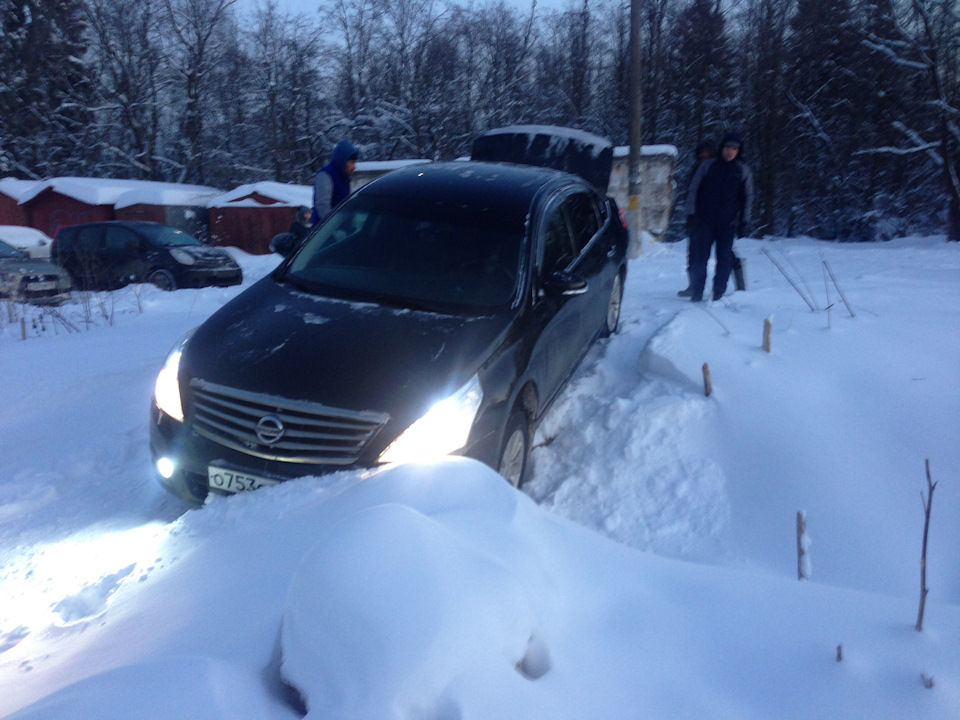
point(611, 252)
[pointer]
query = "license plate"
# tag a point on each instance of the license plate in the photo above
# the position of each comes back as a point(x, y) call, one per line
point(41, 286)
point(232, 482)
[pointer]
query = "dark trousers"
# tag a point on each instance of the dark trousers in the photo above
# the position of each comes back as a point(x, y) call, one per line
point(703, 238)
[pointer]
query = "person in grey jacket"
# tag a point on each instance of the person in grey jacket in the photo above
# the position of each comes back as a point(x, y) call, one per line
point(720, 200)
point(331, 184)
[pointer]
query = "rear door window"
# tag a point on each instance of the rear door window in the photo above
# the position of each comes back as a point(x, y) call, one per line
point(89, 239)
point(558, 243)
point(584, 219)
point(120, 239)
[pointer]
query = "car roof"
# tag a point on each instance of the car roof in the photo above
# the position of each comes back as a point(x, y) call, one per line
point(122, 223)
point(503, 185)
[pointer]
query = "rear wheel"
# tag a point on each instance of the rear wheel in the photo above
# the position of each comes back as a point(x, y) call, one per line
point(163, 279)
point(515, 449)
point(612, 321)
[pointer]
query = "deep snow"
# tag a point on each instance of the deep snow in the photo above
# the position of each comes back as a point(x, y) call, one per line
point(648, 571)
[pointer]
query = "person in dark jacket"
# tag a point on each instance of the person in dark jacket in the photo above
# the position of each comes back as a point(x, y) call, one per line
point(721, 200)
point(707, 150)
point(301, 224)
point(331, 184)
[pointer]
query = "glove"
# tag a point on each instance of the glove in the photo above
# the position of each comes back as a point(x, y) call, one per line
point(691, 223)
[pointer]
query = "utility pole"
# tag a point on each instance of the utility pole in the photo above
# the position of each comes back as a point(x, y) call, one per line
point(635, 212)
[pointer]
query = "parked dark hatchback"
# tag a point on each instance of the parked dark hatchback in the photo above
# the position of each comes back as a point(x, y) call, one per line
point(439, 310)
point(108, 255)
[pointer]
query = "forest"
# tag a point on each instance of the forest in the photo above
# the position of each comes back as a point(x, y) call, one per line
point(849, 108)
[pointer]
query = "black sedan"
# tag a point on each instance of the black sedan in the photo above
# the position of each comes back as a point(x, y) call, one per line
point(439, 310)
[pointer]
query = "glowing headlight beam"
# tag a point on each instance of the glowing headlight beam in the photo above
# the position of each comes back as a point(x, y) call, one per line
point(444, 429)
point(167, 391)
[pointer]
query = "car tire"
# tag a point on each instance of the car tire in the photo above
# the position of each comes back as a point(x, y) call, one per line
point(515, 449)
point(612, 320)
point(162, 279)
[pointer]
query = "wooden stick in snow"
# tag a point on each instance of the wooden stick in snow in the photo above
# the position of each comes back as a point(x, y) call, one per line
point(927, 503)
point(839, 289)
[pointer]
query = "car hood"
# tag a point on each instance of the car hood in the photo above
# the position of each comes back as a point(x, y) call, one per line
point(210, 254)
point(29, 266)
point(276, 340)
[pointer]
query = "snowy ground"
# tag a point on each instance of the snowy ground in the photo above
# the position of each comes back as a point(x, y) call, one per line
point(648, 571)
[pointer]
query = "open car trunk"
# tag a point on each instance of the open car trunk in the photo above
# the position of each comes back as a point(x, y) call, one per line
point(573, 151)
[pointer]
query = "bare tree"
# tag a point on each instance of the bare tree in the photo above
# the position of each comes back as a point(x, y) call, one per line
point(196, 34)
point(128, 56)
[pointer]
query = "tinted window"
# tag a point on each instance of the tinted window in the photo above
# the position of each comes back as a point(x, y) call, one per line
point(120, 238)
point(447, 255)
point(584, 219)
point(558, 247)
point(8, 251)
point(89, 238)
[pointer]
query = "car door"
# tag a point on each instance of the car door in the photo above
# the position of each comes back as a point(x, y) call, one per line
point(557, 315)
point(123, 255)
point(595, 257)
point(83, 257)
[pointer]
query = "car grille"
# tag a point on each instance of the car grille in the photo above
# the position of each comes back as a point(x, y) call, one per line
point(29, 293)
point(311, 433)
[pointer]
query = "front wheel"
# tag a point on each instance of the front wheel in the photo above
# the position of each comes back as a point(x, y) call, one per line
point(163, 279)
point(515, 449)
point(612, 320)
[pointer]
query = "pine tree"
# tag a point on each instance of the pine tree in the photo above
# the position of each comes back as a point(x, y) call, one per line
point(45, 88)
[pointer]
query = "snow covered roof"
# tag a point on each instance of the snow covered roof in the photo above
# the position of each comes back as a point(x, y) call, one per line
point(14, 187)
point(386, 165)
point(284, 194)
point(624, 150)
point(122, 193)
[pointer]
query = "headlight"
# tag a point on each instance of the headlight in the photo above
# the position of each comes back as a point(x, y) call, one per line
point(182, 256)
point(444, 429)
point(167, 393)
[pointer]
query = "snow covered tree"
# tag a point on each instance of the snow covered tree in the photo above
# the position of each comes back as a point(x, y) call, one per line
point(702, 77)
point(45, 88)
point(280, 96)
point(922, 37)
point(128, 58)
point(764, 55)
point(826, 91)
point(195, 30)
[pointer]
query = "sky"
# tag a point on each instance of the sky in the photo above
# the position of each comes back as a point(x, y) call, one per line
point(648, 568)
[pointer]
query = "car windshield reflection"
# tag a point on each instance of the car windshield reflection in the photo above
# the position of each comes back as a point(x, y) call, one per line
point(8, 251)
point(165, 236)
point(443, 256)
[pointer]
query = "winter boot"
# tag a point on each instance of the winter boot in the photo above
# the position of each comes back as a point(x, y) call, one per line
point(687, 292)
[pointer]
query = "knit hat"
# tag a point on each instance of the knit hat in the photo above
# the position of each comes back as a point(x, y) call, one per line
point(731, 139)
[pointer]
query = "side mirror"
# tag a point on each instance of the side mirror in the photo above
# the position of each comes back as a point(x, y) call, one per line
point(283, 244)
point(564, 283)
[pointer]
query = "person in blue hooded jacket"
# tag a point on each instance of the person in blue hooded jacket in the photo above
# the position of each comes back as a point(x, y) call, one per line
point(720, 200)
point(331, 184)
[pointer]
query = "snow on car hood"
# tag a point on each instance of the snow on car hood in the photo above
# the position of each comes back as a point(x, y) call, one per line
point(278, 341)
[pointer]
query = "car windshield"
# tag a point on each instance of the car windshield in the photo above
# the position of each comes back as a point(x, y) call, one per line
point(167, 236)
point(444, 255)
point(8, 251)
